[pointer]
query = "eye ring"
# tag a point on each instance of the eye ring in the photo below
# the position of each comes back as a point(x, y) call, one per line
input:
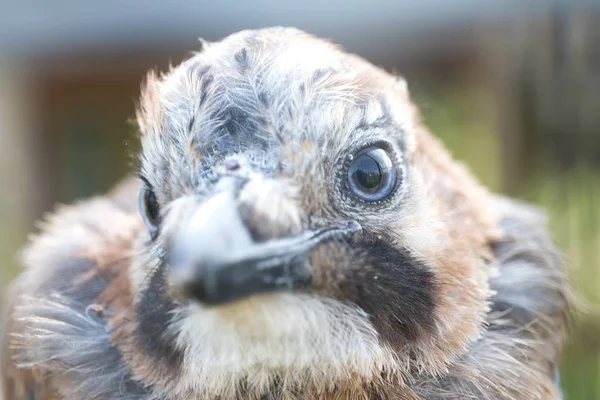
point(371, 174)
point(150, 210)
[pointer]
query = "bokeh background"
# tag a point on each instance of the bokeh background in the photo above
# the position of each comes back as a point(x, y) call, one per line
point(512, 87)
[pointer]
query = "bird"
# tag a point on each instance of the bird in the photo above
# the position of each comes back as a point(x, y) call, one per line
point(293, 230)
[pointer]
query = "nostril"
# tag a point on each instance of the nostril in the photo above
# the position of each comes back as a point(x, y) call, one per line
point(232, 164)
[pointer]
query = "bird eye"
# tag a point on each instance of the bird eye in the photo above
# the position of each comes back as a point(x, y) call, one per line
point(150, 210)
point(371, 174)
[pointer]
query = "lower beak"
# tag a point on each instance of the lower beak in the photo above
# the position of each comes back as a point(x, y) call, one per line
point(214, 259)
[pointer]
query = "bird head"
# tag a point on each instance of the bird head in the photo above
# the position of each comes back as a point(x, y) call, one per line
point(301, 224)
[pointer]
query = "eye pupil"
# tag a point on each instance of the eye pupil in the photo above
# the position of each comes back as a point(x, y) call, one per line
point(150, 210)
point(151, 205)
point(371, 174)
point(367, 173)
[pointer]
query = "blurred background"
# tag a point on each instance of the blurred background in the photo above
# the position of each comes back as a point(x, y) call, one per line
point(512, 87)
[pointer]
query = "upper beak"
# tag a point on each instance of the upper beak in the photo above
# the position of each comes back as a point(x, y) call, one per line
point(214, 259)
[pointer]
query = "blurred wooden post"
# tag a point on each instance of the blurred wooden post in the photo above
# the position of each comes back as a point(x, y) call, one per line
point(514, 92)
point(18, 194)
point(569, 114)
point(546, 85)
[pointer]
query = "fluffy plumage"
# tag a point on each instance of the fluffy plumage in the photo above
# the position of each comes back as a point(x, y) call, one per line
point(445, 291)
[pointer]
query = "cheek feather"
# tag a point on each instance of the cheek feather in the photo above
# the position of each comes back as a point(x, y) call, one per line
point(141, 333)
point(396, 290)
point(154, 311)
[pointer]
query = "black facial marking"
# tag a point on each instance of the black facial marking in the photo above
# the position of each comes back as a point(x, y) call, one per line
point(237, 121)
point(238, 128)
point(207, 80)
point(395, 289)
point(191, 123)
point(154, 315)
point(241, 57)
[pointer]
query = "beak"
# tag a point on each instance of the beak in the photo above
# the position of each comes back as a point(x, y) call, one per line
point(214, 259)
